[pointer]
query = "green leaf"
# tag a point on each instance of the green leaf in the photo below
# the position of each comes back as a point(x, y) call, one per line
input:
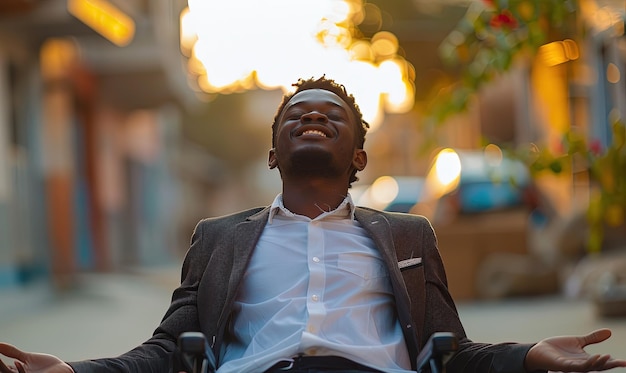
point(556, 166)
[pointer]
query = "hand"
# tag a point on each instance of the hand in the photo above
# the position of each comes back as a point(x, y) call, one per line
point(28, 362)
point(567, 354)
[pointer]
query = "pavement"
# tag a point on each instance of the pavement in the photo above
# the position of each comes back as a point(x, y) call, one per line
point(108, 314)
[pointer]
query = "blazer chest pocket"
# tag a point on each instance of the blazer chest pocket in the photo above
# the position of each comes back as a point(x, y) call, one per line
point(410, 263)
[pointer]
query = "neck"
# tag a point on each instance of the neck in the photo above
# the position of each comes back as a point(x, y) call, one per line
point(313, 197)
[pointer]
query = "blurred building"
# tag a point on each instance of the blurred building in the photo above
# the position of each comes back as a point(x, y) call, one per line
point(107, 158)
point(91, 96)
point(573, 84)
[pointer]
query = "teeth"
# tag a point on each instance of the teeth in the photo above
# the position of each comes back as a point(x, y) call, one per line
point(314, 132)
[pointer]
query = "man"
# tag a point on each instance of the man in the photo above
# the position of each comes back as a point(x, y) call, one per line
point(313, 283)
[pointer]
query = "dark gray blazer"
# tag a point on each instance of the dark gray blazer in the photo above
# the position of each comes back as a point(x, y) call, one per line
point(213, 270)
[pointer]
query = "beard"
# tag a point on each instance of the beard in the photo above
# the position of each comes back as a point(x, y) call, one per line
point(311, 163)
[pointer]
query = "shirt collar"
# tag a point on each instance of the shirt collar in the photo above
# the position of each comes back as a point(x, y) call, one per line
point(344, 210)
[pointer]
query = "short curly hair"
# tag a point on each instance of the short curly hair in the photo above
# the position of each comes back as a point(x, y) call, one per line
point(340, 90)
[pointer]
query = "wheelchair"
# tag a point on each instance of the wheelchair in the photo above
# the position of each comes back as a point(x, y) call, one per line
point(195, 355)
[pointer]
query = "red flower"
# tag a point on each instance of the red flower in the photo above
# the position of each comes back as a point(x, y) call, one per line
point(595, 147)
point(503, 19)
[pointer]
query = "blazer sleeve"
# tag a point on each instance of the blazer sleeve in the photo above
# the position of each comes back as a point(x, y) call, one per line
point(155, 354)
point(441, 315)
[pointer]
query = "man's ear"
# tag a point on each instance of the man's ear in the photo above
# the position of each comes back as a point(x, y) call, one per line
point(272, 162)
point(360, 159)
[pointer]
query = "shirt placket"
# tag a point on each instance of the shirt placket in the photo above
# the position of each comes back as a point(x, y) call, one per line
point(317, 276)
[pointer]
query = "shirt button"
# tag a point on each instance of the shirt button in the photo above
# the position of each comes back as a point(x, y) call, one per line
point(315, 298)
point(316, 259)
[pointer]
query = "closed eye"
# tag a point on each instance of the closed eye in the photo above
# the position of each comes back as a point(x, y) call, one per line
point(336, 116)
point(294, 115)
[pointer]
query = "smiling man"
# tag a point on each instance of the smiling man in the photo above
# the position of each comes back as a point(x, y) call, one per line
point(318, 148)
point(313, 283)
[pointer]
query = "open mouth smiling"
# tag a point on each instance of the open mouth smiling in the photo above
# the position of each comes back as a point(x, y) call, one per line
point(318, 131)
point(313, 133)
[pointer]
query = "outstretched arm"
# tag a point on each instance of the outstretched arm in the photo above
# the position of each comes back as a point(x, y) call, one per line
point(567, 354)
point(27, 362)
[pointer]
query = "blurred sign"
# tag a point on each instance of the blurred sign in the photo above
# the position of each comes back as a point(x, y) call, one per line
point(105, 19)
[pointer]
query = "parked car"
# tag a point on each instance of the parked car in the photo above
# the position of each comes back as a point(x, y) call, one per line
point(472, 181)
point(458, 182)
point(482, 205)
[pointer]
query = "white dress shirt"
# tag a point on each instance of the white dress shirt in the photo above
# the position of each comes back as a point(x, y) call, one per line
point(314, 287)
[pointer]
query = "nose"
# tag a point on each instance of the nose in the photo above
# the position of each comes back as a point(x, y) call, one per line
point(314, 117)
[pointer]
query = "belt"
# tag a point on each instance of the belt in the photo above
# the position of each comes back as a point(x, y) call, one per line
point(324, 363)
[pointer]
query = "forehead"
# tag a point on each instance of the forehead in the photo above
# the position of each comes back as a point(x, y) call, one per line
point(317, 97)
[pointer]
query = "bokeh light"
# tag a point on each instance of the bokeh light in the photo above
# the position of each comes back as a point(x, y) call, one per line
point(384, 190)
point(242, 45)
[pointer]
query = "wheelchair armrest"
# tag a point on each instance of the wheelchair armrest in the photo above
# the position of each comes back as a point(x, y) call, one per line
point(436, 352)
point(195, 354)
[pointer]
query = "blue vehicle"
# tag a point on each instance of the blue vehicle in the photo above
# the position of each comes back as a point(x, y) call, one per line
point(459, 182)
point(473, 181)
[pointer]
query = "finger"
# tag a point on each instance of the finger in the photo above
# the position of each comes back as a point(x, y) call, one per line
point(614, 363)
point(596, 336)
point(597, 363)
point(581, 365)
point(609, 363)
point(20, 367)
point(591, 362)
point(11, 351)
point(600, 362)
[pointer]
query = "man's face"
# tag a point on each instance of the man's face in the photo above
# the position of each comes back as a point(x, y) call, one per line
point(316, 134)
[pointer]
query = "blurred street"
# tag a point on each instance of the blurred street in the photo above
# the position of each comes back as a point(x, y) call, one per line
point(125, 122)
point(108, 314)
point(105, 315)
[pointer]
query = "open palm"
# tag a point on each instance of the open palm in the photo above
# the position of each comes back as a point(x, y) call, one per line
point(28, 362)
point(567, 354)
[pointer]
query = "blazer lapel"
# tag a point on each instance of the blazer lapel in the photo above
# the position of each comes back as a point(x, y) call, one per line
point(380, 231)
point(246, 236)
point(379, 228)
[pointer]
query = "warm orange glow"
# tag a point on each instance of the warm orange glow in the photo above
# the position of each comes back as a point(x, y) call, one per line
point(549, 82)
point(559, 52)
point(243, 44)
point(188, 35)
point(444, 176)
point(385, 44)
point(448, 169)
point(571, 49)
point(57, 56)
point(105, 19)
point(613, 74)
point(493, 155)
point(384, 190)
